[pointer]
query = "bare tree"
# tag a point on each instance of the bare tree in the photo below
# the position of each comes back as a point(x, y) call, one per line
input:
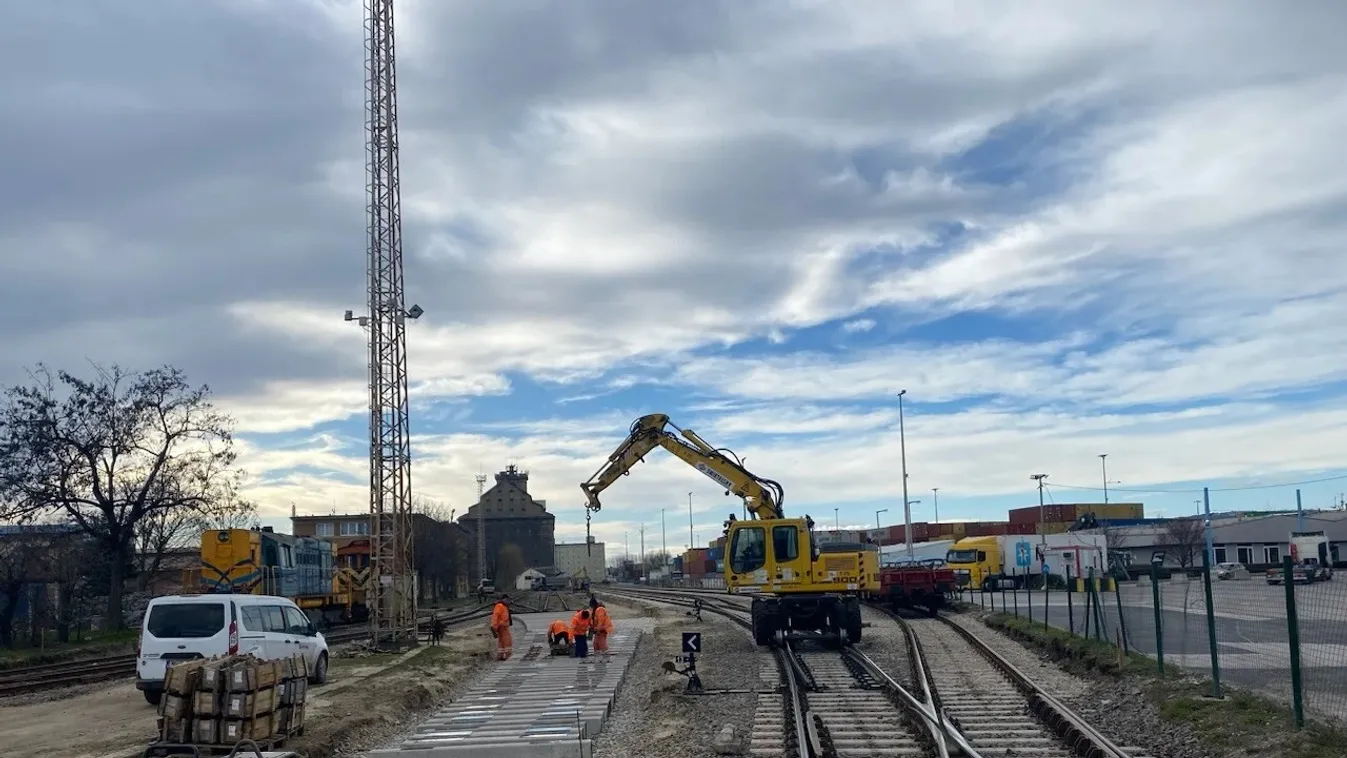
point(1185, 539)
point(109, 452)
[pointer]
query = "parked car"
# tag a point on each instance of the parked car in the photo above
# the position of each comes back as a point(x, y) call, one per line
point(1228, 570)
point(185, 627)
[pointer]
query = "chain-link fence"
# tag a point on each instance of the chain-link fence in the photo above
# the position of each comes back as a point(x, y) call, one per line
point(1281, 633)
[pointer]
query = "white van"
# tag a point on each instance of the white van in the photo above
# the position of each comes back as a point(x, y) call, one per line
point(184, 627)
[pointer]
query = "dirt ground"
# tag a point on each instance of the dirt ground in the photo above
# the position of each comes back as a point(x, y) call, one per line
point(114, 721)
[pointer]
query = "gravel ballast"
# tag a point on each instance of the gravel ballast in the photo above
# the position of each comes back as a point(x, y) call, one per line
point(653, 719)
point(1117, 708)
point(886, 645)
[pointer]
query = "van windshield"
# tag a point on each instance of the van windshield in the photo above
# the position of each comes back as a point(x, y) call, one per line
point(186, 620)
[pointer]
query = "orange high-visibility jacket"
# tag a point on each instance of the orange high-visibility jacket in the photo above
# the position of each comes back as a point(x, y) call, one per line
point(500, 617)
point(557, 626)
point(579, 624)
point(602, 623)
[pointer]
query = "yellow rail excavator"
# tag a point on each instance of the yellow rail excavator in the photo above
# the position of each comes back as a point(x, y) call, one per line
point(768, 556)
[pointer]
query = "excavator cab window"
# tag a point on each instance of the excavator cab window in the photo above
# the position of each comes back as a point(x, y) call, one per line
point(748, 551)
point(785, 543)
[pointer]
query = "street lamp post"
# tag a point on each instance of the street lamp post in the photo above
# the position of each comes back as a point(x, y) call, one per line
point(692, 540)
point(663, 538)
point(877, 514)
point(837, 521)
point(1103, 466)
point(935, 501)
point(1042, 514)
point(902, 451)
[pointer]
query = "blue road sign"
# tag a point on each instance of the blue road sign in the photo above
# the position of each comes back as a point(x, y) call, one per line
point(1046, 568)
point(692, 642)
point(1023, 554)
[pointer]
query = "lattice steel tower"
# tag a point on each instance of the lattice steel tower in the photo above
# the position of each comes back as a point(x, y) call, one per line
point(392, 591)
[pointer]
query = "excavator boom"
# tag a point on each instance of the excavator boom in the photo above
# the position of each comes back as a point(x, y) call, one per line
point(762, 497)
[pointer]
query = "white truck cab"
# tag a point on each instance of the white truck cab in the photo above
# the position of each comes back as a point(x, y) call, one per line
point(184, 627)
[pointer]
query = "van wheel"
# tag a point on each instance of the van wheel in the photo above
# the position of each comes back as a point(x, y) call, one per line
point(319, 675)
point(153, 696)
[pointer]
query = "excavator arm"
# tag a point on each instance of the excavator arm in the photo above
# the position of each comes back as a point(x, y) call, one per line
point(762, 497)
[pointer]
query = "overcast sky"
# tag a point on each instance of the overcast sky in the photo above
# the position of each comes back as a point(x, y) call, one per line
point(1067, 229)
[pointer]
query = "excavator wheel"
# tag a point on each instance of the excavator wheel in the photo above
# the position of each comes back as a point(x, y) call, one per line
point(851, 613)
point(763, 628)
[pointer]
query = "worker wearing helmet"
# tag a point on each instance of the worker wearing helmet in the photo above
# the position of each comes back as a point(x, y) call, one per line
point(603, 626)
point(501, 621)
point(581, 626)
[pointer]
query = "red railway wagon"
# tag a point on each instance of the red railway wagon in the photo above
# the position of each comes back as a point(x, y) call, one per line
point(926, 584)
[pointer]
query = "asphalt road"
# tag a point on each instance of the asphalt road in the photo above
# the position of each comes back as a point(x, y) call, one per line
point(1252, 636)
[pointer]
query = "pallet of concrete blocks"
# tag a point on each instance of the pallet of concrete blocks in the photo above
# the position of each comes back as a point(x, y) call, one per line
point(220, 701)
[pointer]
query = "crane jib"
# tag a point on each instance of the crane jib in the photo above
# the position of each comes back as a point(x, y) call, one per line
point(715, 476)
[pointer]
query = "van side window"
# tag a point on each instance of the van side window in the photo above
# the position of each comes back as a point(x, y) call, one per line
point(296, 621)
point(253, 620)
point(275, 618)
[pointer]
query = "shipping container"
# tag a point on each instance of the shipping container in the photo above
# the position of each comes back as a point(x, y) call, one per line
point(921, 531)
point(678, 563)
point(1112, 511)
point(958, 529)
point(1023, 528)
point(985, 528)
point(715, 553)
point(895, 534)
point(710, 567)
point(1055, 527)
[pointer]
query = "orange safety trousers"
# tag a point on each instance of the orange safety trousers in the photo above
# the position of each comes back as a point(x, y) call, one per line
point(504, 643)
point(601, 642)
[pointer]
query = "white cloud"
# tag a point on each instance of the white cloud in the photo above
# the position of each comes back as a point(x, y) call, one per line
point(649, 188)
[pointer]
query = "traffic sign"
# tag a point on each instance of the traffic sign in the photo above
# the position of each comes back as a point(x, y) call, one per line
point(692, 642)
point(1046, 568)
point(1022, 554)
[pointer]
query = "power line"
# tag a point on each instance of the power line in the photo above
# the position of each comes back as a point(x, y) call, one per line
point(1301, 483)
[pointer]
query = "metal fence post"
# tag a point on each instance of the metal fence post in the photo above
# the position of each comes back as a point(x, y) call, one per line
point(1098, 609)
point(1029, 593)
point(1070, 606)
point(1293, 633)
point(1089, 611)
point(1159, 627)
point(1122, 619)
point(1015, 591)
point(1046, 598)
point(1211, 626)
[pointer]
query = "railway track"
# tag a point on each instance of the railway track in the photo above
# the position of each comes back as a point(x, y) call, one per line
point(963, 698)
point(27, 679)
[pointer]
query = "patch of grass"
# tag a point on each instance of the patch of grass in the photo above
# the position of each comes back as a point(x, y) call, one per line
point(1240, 725)
point(94, 644)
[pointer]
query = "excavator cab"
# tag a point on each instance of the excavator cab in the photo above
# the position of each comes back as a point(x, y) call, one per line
point(771, 555)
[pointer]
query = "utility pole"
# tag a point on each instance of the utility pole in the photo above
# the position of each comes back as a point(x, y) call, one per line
point(837, 521)
point(1042, 514)
point(935, 501)
point(644, 574)
point(391, 589)
point(692, 539)
point(902, 447)
point(1103, 466)
point(481, 530)
point(663, 538)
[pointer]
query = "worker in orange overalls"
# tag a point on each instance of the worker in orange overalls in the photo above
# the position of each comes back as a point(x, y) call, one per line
point(501, 620)
point(559, 637)
point(581, 626)
point(603, 626)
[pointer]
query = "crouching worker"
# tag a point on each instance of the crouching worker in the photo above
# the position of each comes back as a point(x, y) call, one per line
point(580, 630)
point(559, 637)
point(603, 626)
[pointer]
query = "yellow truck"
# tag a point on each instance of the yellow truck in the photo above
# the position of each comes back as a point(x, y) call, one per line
point(1008, 560)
